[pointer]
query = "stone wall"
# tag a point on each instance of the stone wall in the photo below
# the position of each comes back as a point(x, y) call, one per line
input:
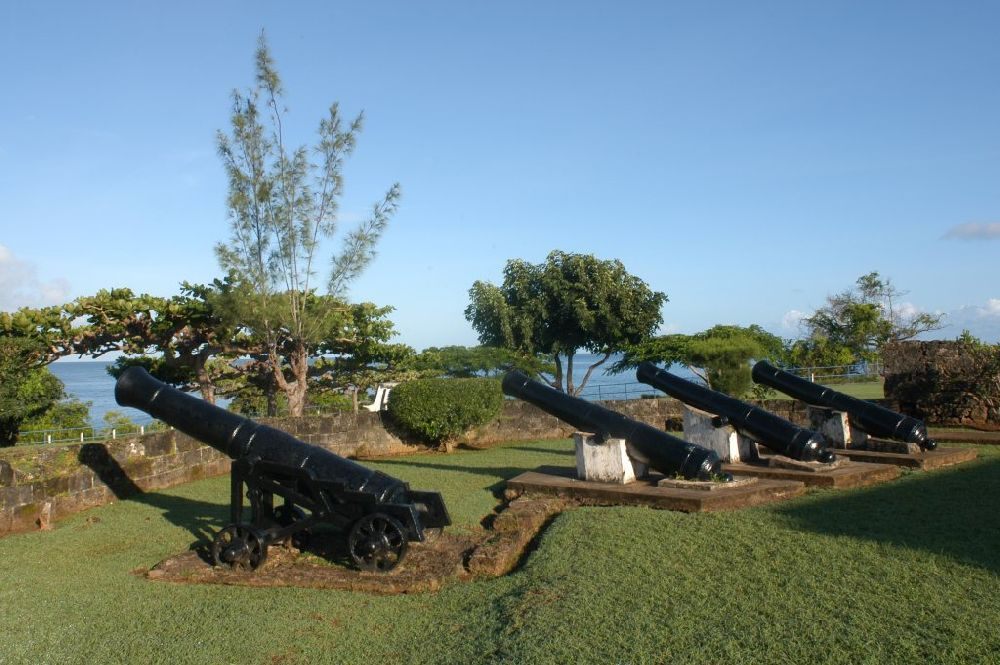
point(945, 383)
point(41, 483)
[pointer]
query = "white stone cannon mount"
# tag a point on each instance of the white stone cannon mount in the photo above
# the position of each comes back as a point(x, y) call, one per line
point(715, 433)
point(606, 460)
point(836, 428)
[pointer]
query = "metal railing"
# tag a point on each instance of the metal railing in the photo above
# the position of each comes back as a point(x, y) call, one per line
point(85, 434)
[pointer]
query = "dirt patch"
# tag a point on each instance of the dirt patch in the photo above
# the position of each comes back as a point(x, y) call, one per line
point(426, 567)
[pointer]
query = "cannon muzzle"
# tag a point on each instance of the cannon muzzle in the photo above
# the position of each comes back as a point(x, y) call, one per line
point(765, 428)
point(866, 416)
point(663, 452)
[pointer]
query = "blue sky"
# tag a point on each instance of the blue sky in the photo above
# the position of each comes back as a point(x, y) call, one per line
point(748, 159)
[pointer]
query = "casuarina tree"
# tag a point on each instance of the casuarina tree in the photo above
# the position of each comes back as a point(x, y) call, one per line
point(283, 203)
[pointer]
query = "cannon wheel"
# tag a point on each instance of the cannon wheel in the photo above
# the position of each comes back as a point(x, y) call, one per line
point(239, 546)
point(377, 542)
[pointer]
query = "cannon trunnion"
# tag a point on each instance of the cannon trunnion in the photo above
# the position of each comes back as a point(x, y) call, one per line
point(661, 451)
point(380, 514)
point(866, 416)
point(765, 428)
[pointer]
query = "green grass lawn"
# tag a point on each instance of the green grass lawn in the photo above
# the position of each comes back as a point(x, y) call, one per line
point(859, 389)
point(907, 572)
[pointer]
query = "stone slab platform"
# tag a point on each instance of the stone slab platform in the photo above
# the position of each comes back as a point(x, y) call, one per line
point(562, 481)
point(849, 474)
point(926, 460)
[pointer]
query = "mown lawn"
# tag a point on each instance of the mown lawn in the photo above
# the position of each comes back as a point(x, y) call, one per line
point(859, 389)
point(907, 572)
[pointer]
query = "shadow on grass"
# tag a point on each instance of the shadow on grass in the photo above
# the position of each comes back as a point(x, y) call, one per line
point(505, 473)
point(953, 512)
point(201, 518)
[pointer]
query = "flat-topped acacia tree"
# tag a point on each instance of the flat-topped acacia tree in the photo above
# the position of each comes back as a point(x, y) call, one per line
point(571, 302)
point(282, 204)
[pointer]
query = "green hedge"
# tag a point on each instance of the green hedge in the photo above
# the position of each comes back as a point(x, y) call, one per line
point(439, 410)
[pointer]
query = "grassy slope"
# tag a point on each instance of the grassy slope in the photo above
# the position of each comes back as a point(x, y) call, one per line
point(906, 572)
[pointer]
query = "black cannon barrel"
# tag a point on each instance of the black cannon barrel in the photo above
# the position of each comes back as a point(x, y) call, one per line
point(239, 437)
point(766, 428)
point(663, 452)
point(870, 418)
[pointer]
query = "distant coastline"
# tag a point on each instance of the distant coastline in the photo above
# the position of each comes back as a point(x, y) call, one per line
point(89, 381)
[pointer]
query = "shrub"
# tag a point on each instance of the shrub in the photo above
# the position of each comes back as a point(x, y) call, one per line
point(439, 410)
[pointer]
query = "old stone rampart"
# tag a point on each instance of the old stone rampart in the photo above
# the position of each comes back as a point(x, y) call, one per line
point(42, 483)
point(945, 383)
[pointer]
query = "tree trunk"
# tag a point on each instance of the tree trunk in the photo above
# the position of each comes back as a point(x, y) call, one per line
point(205, 385)
point(299, 385)
point(557, 379)
point(569, 374)
point(354, 398)
point(295, 390)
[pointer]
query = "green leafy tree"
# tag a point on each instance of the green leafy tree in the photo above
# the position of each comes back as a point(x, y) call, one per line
point(463, 362)
point(720, 356)
point(570, 302)
point(361, 357)
point(48, 333)
point(186, 332)
point(27, 388)
point(867, 317)
point(282, 204)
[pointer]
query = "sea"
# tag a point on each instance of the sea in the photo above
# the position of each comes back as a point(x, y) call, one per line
point(89, 381)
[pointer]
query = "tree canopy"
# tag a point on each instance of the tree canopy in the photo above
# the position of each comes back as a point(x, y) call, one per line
point(571, 302)
point(862, 320)
point(463, 362)
point(719, 356)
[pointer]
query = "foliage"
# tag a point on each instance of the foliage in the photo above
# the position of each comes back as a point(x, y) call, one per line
point(71, 414)
point(185, 331)
point(466, 362)
point(721, 356)
point(818, 352)
point(281, 206)
point(47, 333)
point(27, 389)
point(114, 419)
point(439, 410)
point(862, 320)
point(568, 303)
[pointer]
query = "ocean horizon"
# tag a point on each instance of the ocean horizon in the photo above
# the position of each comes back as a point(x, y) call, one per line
point(89, 381)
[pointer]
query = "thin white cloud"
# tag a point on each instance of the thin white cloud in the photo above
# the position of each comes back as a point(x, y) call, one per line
point(20, 285)
point(983, 321)
point(974, 231)
point(792, 320)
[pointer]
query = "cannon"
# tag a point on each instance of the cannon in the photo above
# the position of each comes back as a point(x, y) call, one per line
point(870, 418)
point(776, 433)
point(379, 513)
point(661, 451)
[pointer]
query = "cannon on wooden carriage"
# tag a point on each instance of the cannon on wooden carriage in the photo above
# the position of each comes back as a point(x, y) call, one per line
point(380, 514)
point(870, 418)
point(661, 451)
point(776, 433)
